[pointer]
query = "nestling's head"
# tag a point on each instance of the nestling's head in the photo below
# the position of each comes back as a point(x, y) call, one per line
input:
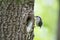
point(38, 21)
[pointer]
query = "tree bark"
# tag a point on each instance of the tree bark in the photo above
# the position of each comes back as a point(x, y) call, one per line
point(14, 17)
point(58, 33)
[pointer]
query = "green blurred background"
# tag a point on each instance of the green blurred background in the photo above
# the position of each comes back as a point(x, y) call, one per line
point(48, 10)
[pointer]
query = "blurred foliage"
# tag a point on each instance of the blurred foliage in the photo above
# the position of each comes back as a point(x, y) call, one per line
point(48, 10)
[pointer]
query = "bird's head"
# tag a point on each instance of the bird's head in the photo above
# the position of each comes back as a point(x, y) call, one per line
point(38, 21)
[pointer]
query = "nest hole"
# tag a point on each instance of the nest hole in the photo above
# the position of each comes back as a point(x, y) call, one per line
point(29, 19)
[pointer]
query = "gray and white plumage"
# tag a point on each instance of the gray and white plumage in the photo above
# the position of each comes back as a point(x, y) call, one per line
point(38, 21)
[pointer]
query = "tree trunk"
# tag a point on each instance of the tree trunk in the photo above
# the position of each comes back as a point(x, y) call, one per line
point(14, 18)
point(58, 33)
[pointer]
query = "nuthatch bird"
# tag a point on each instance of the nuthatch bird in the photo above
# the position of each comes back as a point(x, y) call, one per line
point(38, 21)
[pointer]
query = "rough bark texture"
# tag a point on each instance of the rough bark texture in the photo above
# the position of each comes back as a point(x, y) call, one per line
point(14, 16)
